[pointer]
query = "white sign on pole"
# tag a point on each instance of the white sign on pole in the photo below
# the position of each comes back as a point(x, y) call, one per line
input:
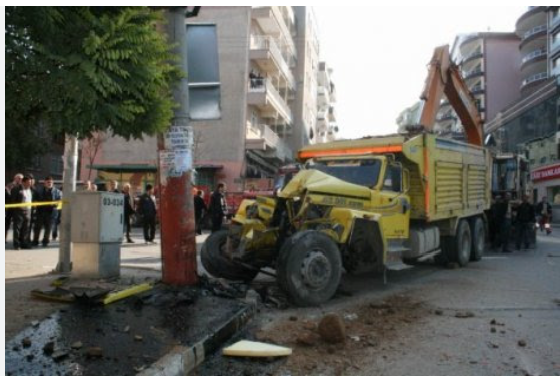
point(178, 138)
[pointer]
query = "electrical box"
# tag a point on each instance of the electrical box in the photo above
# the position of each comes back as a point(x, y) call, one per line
point(97, 217)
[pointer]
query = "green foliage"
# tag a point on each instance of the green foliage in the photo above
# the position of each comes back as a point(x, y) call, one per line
point(86, 69)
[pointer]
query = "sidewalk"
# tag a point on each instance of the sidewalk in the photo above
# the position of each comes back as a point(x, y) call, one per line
point(41, 261)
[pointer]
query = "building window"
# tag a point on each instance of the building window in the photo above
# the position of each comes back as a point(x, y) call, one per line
point(204, 75)
point(57, 165)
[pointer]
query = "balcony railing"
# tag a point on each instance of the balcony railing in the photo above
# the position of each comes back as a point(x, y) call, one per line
point(265, 86)
point(534, 78)
point(533, 54)
point(531, 32)
point(478, 88)
point(473, 55)
point(262, 137)
point(472, 73)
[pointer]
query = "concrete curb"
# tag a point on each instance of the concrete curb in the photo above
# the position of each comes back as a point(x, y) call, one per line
point(181, 360)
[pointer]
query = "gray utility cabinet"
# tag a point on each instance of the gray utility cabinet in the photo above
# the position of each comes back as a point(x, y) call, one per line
point(97, 233)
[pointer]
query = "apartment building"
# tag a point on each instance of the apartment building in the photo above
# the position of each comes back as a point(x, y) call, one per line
point(253, 98)
point(489, 63)
point(327, 127)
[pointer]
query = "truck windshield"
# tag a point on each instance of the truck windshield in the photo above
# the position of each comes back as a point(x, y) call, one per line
point(362, 172)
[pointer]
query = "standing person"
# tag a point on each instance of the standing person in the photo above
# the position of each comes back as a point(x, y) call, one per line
point(544, 213)
point(35, 195)
point(218, 207)
point(128, 211)
point(503, 219)
point(9, 212)
point(147, 208)
point(113, 186)
point(47, 215)
point(524, 222)
point(22, 215)
point(199, 209)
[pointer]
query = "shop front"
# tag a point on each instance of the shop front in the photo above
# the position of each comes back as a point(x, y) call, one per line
point(546, 182)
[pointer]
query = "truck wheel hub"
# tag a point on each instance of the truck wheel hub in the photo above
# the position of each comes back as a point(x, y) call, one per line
point(316, 269)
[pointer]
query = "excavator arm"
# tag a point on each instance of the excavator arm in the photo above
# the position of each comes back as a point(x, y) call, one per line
point(444, 77)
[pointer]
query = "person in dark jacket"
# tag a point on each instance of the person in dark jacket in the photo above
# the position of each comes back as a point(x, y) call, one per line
point(9, 212)
point(218, 207)
point(503, 219)
point(544, 213)
point(128, 211)
point(22, 215)
point(524, 222)
point(199, 210)
point(147, 208)
point(34, 210)
point(46, 215)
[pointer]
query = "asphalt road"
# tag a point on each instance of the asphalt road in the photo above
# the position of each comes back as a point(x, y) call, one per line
point(512, 302)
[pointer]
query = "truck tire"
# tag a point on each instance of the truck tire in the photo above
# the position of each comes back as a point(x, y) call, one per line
point(478, 239)
point(309, 268)
point(458, 247)
point(214, 261)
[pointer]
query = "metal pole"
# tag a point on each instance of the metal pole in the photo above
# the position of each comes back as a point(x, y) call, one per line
point(68, 188)
point(178, 239)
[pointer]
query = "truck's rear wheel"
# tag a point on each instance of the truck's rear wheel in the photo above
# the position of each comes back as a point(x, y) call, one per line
point(458, 247)
point(218, 264)
point(478, 239)
point(309, 268)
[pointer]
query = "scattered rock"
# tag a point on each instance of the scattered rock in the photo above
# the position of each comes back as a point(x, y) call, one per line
point(332, 329)
point(307, 338)
point(438, 312)
point(94, 352)
point(473, 362)
point(126, 329)
point(139, 369)
point(16, 348)
point(493, 345)
point(34, 323)
point(48, 348)
point(26, 342)
point(75, 369)
point(493, 330)
point(59, 355)
point(77, 345)
point(464, 314)
point(350, 317)
point(502, 331)
point(355, 338)
point(138, 337)
point(522, 343)
point(29, 357)
point(494, 322)
point(293, 318)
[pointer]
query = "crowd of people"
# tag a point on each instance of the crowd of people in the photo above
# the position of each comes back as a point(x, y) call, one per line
point(33, 219)
point(523, 218)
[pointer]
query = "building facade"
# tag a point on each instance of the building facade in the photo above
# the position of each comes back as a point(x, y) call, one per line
point(489, 63)
point(327, 127)
point(253, 97)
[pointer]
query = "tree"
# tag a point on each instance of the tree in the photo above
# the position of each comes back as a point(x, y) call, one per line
point(91, 147)
point(82, 70)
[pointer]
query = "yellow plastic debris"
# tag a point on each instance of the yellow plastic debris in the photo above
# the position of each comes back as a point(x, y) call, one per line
point(246, 348)
point(112, 297)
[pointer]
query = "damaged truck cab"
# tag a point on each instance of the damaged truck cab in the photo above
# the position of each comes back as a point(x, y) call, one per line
point(359, 204)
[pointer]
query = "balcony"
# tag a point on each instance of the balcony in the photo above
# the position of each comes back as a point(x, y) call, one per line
point(473, 73)
point(472, 56)
point(477, 89)
point(272, 21)
point(533, 79)
point(267, 142)
point(323, 97)
point(332, 114)
point(268, 56)
point(533, 55)
point(531, 34)
point(262, 94)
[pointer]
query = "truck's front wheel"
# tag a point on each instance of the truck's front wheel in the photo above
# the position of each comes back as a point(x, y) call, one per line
point(216, 262)
point(309, 268)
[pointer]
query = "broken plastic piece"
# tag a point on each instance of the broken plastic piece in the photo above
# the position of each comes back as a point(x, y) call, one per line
point(112, 297)
point(246, 348)
point(57, 294)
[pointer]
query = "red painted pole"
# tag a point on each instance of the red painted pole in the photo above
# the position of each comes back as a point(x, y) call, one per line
point(178, 238)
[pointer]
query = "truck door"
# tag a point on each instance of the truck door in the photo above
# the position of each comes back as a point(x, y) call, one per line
point(394, 203)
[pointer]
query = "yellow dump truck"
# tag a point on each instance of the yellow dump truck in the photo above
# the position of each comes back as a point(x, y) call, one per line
point(363, 204)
